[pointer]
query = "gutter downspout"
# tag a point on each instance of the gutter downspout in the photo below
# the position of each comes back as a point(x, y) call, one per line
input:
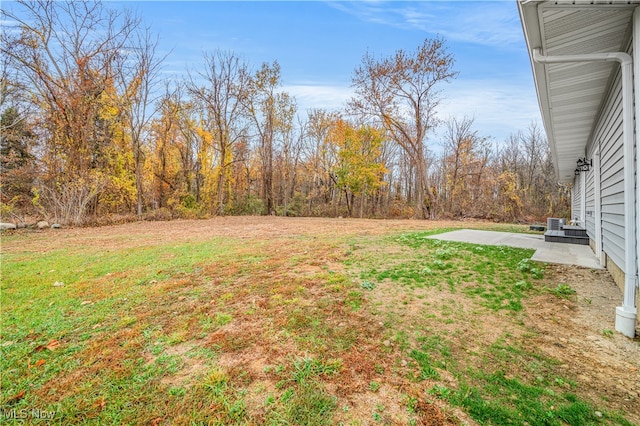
point(636, 82)
point(626, 314)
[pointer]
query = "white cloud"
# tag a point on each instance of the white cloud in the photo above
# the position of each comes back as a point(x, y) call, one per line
point(323, 96)
point(9, 23)
point(9, 26)
point(489, 23)
point(499, 108)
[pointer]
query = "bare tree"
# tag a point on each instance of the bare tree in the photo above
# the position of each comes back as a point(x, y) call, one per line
point(271, 113)
point(138, 77)
point(321, 158)
point(290, 158)
point(535, 149)
point(226, 82)
point(466, 157)
point(401, 93)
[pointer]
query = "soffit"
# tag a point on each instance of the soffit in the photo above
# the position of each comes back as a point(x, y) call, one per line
point(571, 95)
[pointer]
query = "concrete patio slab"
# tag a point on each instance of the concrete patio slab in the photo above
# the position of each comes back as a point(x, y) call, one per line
point(566, 254)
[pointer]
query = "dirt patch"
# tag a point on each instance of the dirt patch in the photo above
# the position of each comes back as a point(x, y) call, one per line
point(191, 366)
point(578, 331)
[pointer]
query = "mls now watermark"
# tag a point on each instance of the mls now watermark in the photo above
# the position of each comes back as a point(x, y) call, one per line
point(27, 413)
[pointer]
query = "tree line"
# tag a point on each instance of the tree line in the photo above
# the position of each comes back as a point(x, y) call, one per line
point(92, 132)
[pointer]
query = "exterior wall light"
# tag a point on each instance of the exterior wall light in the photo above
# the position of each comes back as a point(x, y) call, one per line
point(584, 165)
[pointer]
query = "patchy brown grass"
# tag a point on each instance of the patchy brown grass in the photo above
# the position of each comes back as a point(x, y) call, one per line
point(233, 328)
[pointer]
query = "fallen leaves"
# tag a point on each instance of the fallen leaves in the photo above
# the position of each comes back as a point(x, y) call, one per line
point(38, 363)
point(51, 346)
point(100, 403)
point(17, 397)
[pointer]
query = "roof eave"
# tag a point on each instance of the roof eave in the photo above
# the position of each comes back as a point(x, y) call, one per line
point(529, 19)
point(537, 19)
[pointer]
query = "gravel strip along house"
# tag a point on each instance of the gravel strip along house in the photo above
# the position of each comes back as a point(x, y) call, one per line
point(584, 56)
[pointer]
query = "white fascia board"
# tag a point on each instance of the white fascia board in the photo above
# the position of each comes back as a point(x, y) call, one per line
point(531, 27)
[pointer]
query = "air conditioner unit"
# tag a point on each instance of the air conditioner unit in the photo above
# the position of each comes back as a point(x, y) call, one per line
point(554, 223)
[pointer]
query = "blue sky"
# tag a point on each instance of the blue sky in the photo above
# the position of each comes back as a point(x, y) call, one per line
point(319, 43)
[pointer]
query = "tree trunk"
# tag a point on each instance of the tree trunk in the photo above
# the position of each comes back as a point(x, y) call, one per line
point(139, 187)
point(221, 179)
point(422, 186)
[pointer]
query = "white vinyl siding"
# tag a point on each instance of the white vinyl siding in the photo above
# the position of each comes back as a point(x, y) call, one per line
point(590, 201)
point(576, 199)
point(608, 134)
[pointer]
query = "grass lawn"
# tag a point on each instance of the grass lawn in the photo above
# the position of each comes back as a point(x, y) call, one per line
point(372, 324)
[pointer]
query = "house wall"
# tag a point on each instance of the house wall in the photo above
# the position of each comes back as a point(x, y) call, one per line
point(590, 199)
point(576, 200)
point(608, 136)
